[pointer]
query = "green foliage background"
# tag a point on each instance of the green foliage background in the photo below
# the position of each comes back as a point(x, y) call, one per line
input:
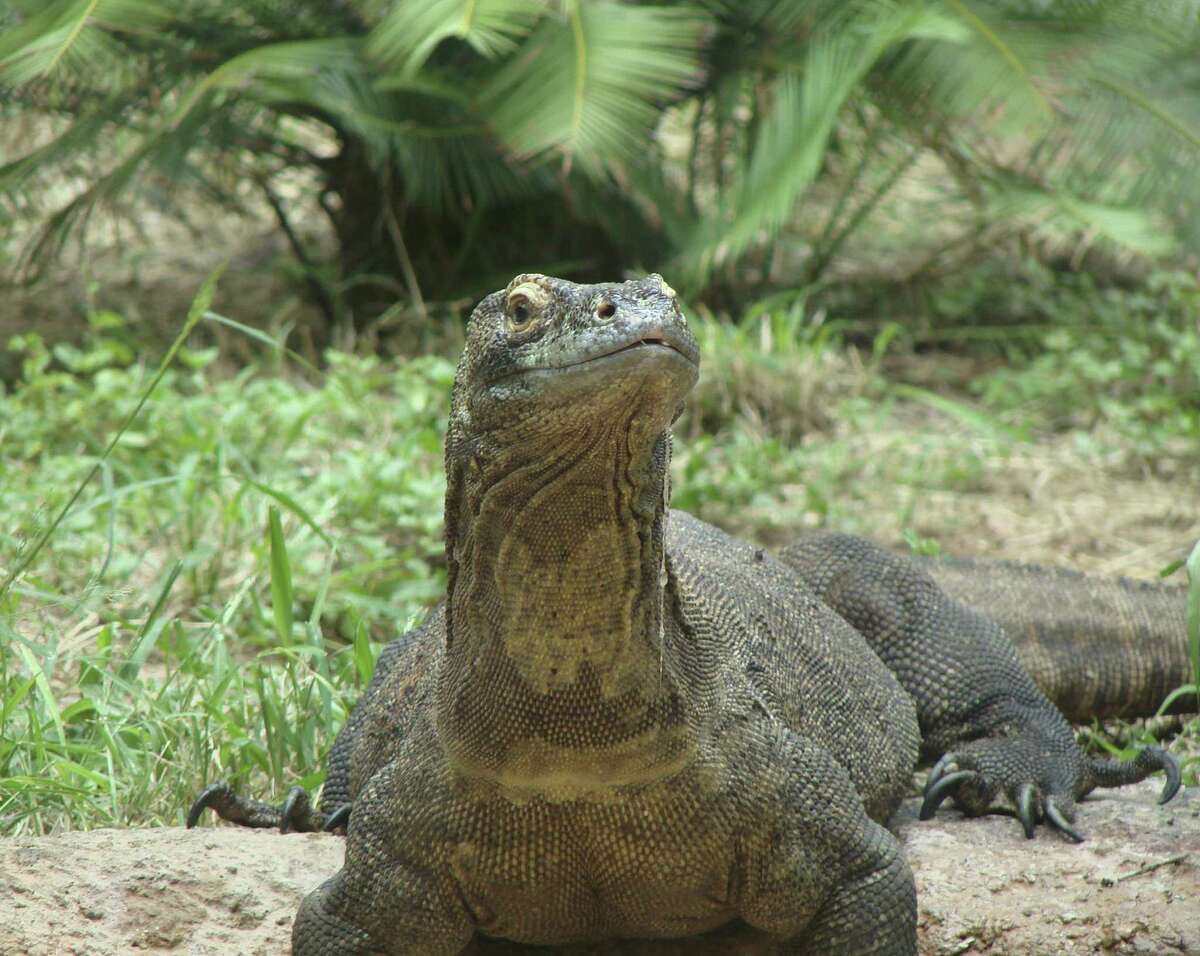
point(844, 192)
point(452, 143)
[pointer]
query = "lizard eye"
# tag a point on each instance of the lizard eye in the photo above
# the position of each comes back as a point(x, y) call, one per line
point(520, 313)
point(526, 306)
point(606, 309)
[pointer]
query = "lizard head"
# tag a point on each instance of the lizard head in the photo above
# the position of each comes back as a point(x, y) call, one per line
point(544, 351)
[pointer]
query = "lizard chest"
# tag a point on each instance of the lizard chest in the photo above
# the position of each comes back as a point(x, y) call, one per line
point(547, 873)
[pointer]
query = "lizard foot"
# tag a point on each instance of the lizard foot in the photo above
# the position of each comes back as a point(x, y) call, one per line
point(975, 782)
point(296, 814)
point(1041, 787)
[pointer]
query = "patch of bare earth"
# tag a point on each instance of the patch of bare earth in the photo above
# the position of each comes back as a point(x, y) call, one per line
point(1132, 888)
point(1042, 501)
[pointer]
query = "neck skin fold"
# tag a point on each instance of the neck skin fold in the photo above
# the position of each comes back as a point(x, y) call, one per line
point(555, 679)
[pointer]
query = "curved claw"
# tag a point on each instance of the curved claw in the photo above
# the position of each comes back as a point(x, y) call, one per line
point(939, 769)
point(1170, 767)
point(1025, 809)
point(204, 801)
point(940, 790)
point(339, 818)
point(295, 810)
point(1056, 818)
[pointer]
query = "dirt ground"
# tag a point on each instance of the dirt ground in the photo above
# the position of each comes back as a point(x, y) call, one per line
point(1132, 888)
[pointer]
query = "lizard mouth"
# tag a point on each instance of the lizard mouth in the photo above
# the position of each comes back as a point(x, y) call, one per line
point(649, 341)
point(678, 352)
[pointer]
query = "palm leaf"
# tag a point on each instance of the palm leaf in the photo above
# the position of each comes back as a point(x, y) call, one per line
point(973, 81)
point(425, 126)
point(588, 85)
point(424, 135)
point(1179, 125)
point(991, 33)
point(73, 34)
point(793, 137)
point(776, 20)
point(275, 63)
point(1124, 135)
point(80, 136)
point(75, 214)
point(1058, 215)
point(1069, 118)
point(966, 67)
point(404, 39)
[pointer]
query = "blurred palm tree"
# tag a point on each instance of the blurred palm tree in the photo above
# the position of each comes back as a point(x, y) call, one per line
point(457, 141)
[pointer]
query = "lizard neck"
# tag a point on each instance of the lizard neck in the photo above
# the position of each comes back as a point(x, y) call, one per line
point(554, 679)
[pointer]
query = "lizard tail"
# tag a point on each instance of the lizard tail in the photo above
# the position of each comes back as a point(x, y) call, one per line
point(1097, 647)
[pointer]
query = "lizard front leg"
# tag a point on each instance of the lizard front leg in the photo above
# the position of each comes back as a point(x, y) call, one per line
point(294, 815)
point(396, 893)
point(822, 876)
point(407, 917)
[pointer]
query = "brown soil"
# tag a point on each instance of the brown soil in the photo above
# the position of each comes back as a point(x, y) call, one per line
point(1132, 888)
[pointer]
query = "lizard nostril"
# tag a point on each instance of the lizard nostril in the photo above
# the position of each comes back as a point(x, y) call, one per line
point(606, 310)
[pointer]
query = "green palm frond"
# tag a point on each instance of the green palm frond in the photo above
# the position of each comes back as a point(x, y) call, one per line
point(17, 175)
point(75, 36)
point(777, 19)
point(1079, 86)
point(74, 215)
point(589, 84)
point(1006, 92)
point(1057, 215)
point(406, 36)
point(792, 138)
point(1185, 127)
point(424, 135)
point(970, 68)
point(708, 119)
point(1005, 53)
point(275, 71)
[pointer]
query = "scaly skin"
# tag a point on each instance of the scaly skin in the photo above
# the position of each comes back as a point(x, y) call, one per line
point(624, 723)
point(1132, 630)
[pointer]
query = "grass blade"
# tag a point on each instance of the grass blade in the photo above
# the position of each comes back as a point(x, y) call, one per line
point(260, 336)
point(43, 685)
point(281, 579)
point(364, 657)
point(973, 419)
point(148, 634)
point(292, 505)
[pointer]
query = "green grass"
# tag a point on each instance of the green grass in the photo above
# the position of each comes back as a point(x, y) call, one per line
point(1128, 360)
point(214, 600)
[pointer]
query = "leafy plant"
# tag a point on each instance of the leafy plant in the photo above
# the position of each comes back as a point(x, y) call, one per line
point(452, 143)
point(1127, 359)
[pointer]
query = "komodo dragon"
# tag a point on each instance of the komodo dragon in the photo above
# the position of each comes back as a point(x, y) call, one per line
point(622, 722)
